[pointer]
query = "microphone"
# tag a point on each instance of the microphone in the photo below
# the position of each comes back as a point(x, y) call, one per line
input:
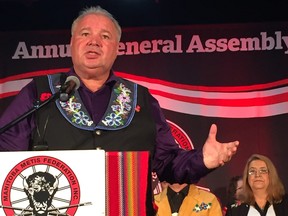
point(71, 84)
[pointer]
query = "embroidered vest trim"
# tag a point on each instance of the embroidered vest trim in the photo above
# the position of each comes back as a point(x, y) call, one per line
point(118, 115)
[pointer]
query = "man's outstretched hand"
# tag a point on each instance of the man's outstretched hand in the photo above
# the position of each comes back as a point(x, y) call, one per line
point(216, 154)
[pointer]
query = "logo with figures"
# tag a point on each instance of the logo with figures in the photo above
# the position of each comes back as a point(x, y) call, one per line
point(41, 186)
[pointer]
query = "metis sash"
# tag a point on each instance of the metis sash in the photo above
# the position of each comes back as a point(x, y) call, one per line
point(126, 183)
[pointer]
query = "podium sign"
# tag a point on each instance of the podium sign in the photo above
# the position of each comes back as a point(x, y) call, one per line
point(52, 183)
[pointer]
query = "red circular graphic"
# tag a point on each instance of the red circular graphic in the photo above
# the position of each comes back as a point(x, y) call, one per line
point(180, 136)
point(32, 163)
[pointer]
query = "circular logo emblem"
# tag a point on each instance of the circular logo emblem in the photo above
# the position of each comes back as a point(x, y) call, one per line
point(180, 136)
point(40, 185)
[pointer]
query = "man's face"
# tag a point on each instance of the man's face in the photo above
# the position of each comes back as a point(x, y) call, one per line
point(239, 189)
point(94, 45)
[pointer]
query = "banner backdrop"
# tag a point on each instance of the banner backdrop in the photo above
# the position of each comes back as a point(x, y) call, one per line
point(234, 75)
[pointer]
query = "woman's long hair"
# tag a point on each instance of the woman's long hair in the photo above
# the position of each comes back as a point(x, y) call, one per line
point(275, 189)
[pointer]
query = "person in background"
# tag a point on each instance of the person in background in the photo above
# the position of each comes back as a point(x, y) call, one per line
point(186, 200)
point(106, 111)
point(234, 192)
point(263, 191)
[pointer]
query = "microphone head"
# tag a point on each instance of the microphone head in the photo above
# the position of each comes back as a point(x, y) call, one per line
point(75, 80)
point(71, 84)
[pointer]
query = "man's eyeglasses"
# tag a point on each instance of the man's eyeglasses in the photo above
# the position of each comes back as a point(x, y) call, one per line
point(254, 172)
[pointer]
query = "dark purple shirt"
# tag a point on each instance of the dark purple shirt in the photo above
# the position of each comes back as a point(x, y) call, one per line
point(169, 159)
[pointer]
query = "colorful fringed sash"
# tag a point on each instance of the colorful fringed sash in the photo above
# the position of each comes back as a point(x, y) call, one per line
point(126, 183)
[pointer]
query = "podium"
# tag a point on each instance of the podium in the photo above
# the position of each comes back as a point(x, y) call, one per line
point(73, 182)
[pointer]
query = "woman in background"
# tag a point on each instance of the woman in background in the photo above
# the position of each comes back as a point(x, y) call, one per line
point(263, 191)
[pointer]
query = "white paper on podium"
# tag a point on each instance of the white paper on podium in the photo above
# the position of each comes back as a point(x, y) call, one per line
point(79, 177)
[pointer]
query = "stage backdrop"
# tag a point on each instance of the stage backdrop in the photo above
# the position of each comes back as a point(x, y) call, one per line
point(233, 75)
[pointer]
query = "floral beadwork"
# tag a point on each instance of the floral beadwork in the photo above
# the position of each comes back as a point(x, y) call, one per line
point(121, 107)
point(73, 110)
point(202, 206)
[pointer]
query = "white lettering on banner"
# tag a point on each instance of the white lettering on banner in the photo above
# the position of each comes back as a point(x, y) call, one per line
point(154, 46)
point(263, 42)
point(47, 51)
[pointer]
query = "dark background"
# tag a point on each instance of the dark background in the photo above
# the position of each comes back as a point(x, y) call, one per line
point(24, 15)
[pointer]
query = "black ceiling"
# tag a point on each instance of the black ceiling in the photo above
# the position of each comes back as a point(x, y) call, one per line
point(19, 15)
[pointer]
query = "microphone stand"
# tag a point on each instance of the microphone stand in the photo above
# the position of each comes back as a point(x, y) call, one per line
point(37, 105)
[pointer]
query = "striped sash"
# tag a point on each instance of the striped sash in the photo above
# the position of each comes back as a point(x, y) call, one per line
point(126, 183)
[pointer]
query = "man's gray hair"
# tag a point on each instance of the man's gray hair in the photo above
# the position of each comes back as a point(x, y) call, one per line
point(96, 10)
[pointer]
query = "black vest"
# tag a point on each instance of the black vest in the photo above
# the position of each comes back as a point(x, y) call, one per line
point(57, 127)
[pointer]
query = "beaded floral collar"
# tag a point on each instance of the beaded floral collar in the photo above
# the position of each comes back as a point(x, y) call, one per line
point(118, 115)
